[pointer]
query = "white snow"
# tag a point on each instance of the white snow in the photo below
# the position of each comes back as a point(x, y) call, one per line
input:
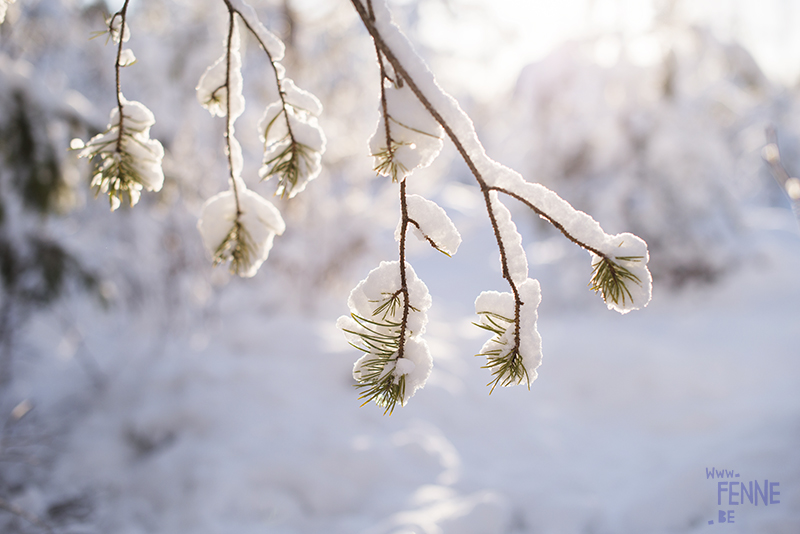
point(126, 58)
point(431, 222)
point(365, 300)
point(501, 307)
point(145, 154)
point(274, 46)
point(416, 136)
point(260, 218)
point(211, 91)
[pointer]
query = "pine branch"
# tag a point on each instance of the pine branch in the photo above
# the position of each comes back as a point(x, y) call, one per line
point(228, 119)
point(287, 165)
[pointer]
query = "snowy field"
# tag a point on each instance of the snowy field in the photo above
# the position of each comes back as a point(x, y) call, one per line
point(260, 430)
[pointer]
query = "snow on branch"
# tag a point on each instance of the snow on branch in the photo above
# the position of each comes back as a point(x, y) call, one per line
point(238, 226)
point(387, 319)
point(409, 136)
point(126, 159)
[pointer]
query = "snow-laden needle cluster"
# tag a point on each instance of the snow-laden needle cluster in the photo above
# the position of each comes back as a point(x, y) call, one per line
point(126, 159)
point(387, 319)
point(238, 226)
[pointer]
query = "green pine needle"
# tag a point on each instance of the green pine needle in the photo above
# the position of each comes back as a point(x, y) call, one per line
point(504, 362)
point(388, 165)
point(237, 247)
point(611, 279)
point(380, 337)
point(289, 165)
point(115, 173)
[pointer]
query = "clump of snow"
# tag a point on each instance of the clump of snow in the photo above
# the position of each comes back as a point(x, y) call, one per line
point(501, 307)
point(212, 92)
point(292, 121)
point(132, 152)
point(271, 43)
point(415, 135)
point(429, 222)
point(629, 252)
point(114, 29)
point(368, 304)
point(126, 58)
point(259, 217)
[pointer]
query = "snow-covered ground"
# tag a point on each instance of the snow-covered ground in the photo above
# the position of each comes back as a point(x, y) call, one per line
point(260, 429)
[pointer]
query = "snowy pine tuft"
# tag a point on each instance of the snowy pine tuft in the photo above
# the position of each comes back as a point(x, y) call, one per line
point(239, 232)
point(293, 141)
point(127, 160)
point(407, 137)
point(515, 350)
point(386, 322)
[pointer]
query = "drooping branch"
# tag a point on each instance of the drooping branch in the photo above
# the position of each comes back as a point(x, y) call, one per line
point(228, 118)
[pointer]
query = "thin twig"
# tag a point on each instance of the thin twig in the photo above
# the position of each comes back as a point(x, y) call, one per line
point(271, 62)
point(228, 120)
point(123, 14)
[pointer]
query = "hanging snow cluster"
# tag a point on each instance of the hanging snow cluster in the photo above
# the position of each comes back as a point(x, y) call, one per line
point(126, 159)
point(407, 136)
point(238, 226)
point(386, 322)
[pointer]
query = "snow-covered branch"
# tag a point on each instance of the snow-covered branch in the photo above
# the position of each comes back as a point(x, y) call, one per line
point(421, 111)
point(127, 160)
point(239, 226)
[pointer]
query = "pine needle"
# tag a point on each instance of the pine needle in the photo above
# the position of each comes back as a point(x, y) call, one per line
point(505, 362)
point(611, 279)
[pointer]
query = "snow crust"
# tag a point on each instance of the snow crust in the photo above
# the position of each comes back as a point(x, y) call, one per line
point(273, 45)
point(431, 223)
point(260, 218)
point(3, 7)
point(512, 241)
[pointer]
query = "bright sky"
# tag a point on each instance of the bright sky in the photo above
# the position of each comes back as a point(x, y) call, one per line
point(491, 40)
